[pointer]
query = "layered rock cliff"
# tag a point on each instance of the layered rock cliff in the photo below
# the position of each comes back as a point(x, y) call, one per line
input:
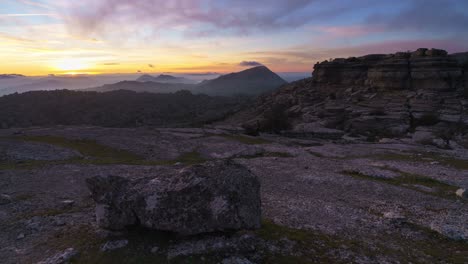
point(379, 95)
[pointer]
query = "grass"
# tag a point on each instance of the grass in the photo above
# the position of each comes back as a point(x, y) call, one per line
point(425, 157)
point(319, 248)
point(315, 247)
point(94, 154)
point(410, 181)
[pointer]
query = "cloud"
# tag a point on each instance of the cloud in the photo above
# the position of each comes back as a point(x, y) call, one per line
point(198, 17)
point(111, 64)
point(250, 64)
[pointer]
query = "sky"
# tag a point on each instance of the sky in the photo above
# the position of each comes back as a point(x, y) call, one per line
point(40, 37)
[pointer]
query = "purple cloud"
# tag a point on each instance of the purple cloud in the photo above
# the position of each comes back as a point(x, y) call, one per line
point(250, 64)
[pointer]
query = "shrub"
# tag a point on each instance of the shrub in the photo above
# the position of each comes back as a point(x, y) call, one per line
point(276, 119)
point(428, 119)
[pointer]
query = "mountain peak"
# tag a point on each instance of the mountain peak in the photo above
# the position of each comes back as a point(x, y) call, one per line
point(254, 80)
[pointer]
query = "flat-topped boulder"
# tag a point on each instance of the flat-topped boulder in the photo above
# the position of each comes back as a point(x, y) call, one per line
point(214, 196)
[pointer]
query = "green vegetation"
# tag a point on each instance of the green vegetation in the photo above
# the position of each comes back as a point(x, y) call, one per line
point(315, 247)
point(425, 157)
point(94, 154)
point(411, 181)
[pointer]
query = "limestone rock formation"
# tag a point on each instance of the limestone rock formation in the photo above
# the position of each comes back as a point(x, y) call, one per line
point(380, 95)
point(214, 196)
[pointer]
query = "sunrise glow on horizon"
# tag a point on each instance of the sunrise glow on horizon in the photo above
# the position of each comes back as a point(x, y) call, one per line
point(40, 37)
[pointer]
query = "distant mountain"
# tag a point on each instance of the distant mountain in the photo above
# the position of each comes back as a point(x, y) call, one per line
point(44, 85)
point(10, 76)
point(252, 81)
point(164, 79)
point(139, 87)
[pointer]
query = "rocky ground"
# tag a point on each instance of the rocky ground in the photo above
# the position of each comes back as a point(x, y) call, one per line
point(323, 201)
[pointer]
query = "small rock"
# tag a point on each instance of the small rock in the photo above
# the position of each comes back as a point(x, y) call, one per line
point(462, 193)
point(113, 245)
point(394, 216)
point(5, 199)
point(61, 258)
point(59, 222)
point(155, 250)
point(20, 236)
point(67, 203)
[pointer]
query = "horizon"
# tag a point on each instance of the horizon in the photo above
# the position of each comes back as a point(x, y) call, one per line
point(42, 37)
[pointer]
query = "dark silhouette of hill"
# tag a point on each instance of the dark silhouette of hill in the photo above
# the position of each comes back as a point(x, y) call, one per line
point(254, 81)
point(10, 76)
point(113, 109)
point(139, 87)
point(165, 79)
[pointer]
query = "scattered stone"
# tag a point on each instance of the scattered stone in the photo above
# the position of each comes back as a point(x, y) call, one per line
point(113, 245)
point(67, 203)
point(155, 250)
point(462, 193)
point(214, 196)
point(20, 236)
point(5, 199)
point(61, 258)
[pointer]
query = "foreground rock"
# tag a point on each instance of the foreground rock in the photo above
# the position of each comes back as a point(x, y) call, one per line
point(214, 196)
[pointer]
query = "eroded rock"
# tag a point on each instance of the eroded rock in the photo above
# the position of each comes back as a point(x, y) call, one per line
point(214, 196)
point(61, 258)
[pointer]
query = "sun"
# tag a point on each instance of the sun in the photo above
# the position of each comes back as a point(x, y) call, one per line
point(71, 65)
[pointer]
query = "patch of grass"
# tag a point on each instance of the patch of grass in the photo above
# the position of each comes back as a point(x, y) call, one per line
point(317, 154)
point(89, 148)
point(410, 181)
point(94, 154)
point(23, 197)
point(425, 157)
point(246, 139)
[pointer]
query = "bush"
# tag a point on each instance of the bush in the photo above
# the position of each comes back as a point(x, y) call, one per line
point(276, 119)
point(428, 119)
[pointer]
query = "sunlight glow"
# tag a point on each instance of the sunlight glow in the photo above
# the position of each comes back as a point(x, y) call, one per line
point(71, 65)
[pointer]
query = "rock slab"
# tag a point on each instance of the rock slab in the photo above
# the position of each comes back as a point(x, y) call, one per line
point(214, 196)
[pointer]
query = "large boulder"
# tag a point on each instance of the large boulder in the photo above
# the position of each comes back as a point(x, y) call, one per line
point(214, 196)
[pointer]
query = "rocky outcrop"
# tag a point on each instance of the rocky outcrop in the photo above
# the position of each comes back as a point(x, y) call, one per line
point(214, 196)
point(381, 95)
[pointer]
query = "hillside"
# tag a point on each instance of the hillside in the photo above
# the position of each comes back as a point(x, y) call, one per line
point(140, 87)
point(113, 109)
point(163, 78)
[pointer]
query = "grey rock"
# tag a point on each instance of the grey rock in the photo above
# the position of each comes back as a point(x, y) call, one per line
point(214, 196)
point(5, 199)
point(113, 245)
point(463, 193)
point(61, 258)
point(155, 250)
